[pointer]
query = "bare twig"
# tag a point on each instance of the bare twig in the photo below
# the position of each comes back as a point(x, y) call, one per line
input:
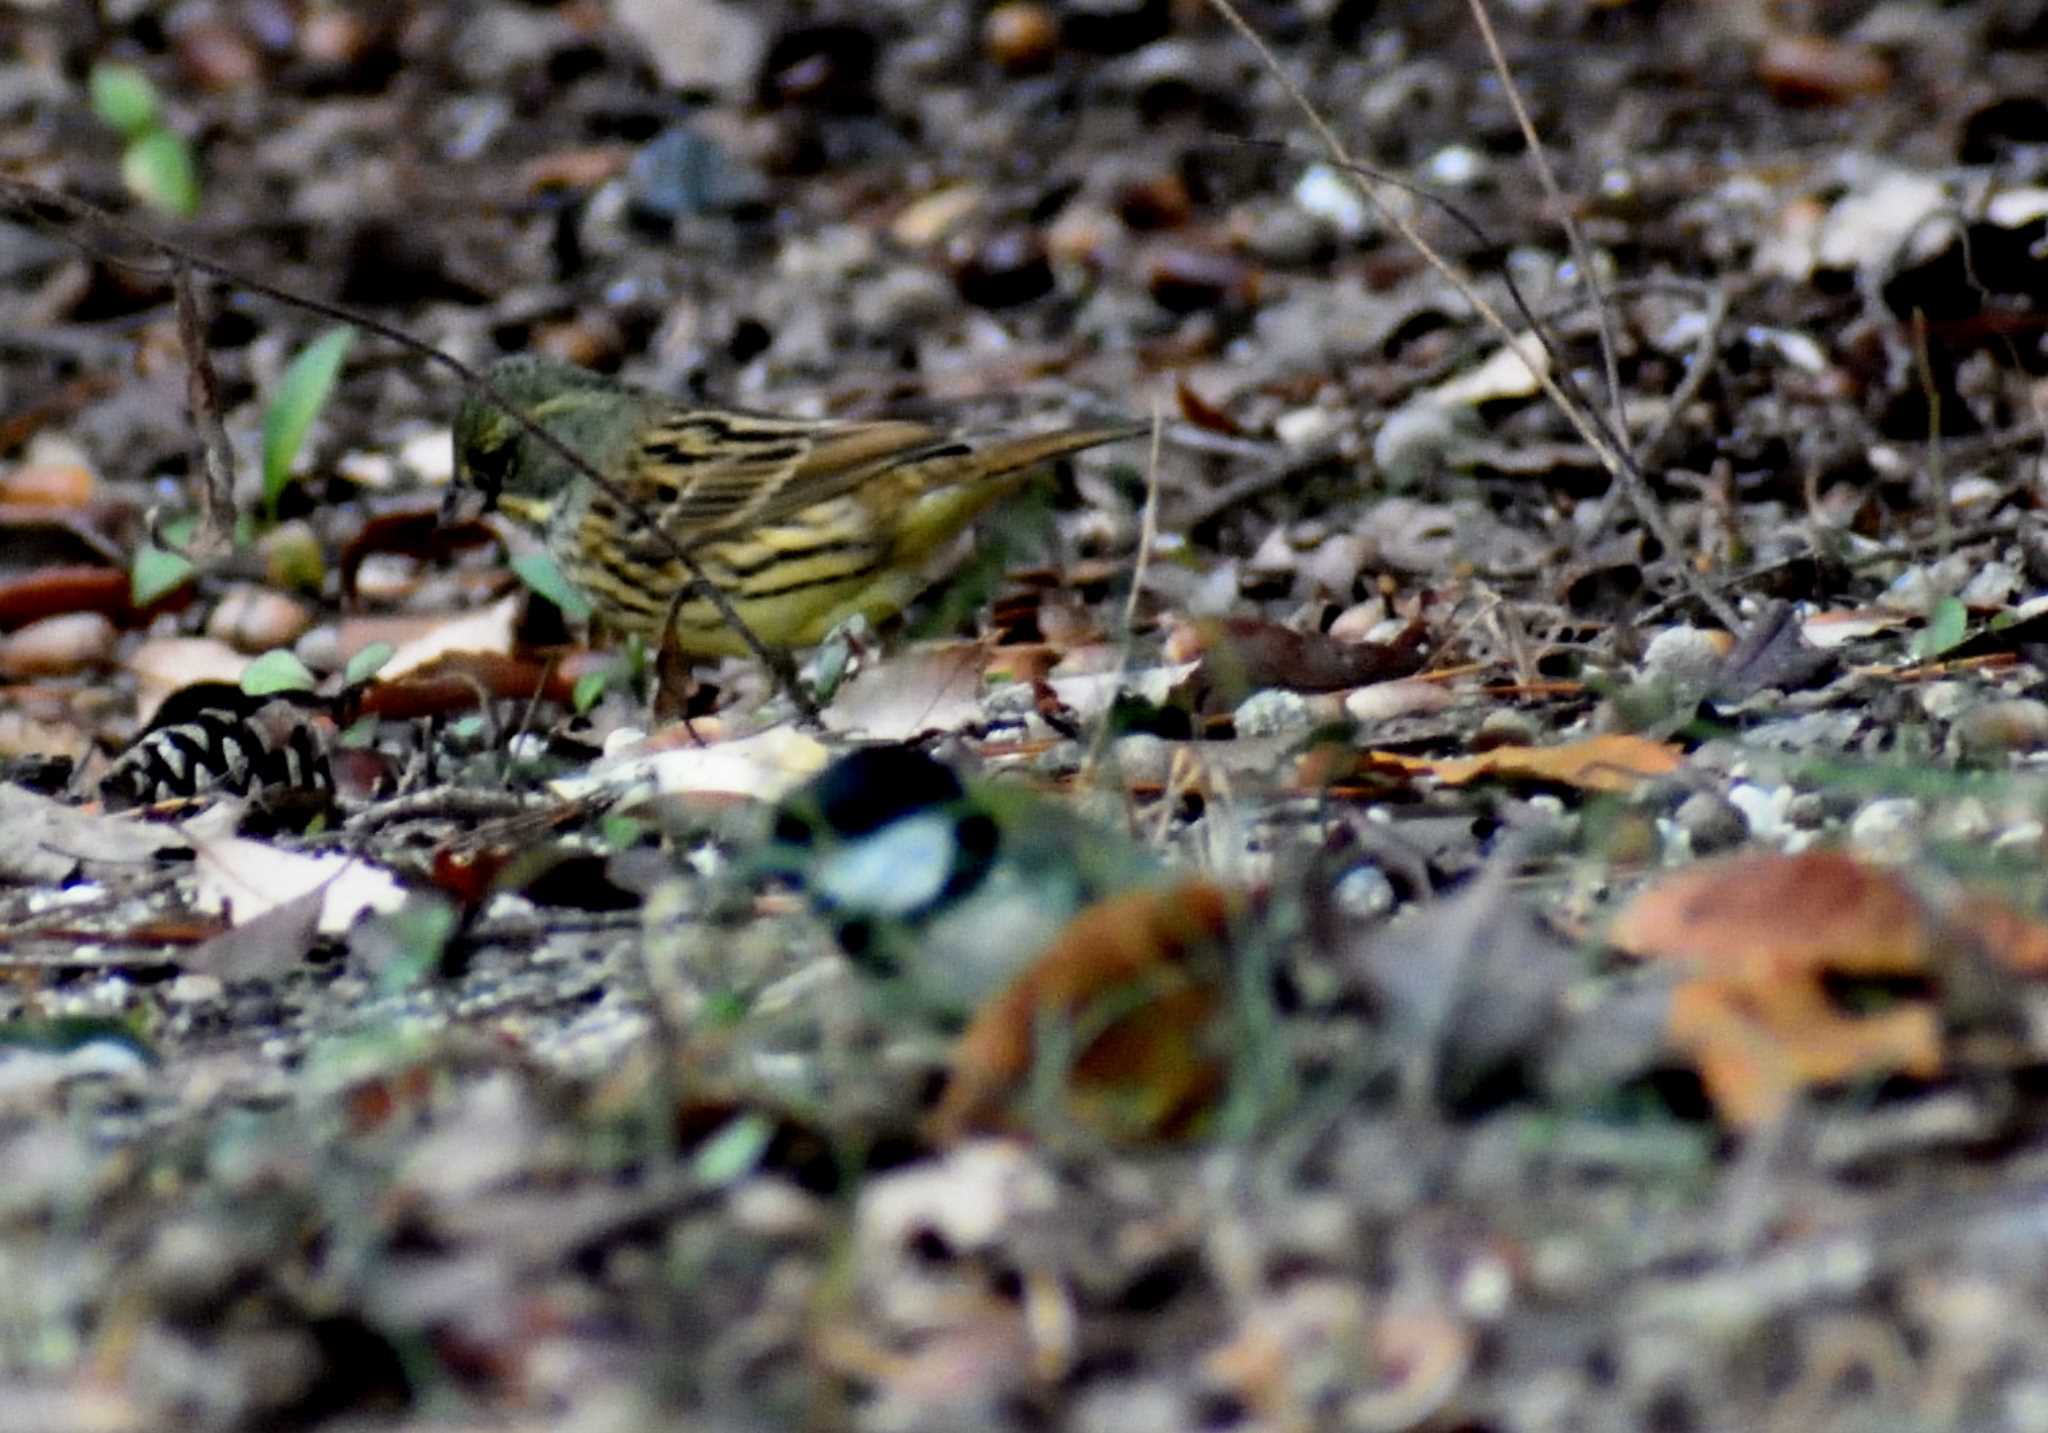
point(1582, 253)
point(1609, 449)
point(1937, 473)
point(216, 535)
point(1148, 533)
point(1682, 396)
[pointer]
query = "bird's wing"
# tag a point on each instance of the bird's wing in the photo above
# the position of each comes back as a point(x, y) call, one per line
point(711, 473)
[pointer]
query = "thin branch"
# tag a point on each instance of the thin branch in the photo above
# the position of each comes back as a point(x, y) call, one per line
point(1582, 253)
point(1608, 450)
point(1148, 534)
point(215, 537)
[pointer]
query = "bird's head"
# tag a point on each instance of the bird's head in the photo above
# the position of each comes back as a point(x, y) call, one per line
point(509, 466)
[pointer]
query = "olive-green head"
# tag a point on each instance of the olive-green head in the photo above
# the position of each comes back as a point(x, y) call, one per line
point(495, 454)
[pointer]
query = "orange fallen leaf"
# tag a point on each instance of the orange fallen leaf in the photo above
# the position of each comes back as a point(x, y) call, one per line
point(1765, 935)
point(1613, 762)
point(1151, 1067)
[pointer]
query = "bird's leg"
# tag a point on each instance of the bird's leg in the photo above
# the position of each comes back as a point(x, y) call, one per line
point(775, 659)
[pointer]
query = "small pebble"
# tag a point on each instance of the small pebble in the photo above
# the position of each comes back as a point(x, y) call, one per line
point(216, 56)
point(925, 221)
point(1995, 728)
point(1764, 808)
point(1712, 822)
point(1286, 237)
point(1334, 198)
point(1143, 757)
point(1021, 36)
point(1505, 727)
point(1888, 830)
point(1384, 701)
point(900, 302)
point(1274, 555)
point(1686, 654)
point(257, 619)
point(193, 989)
point(320, 648)
point(57, 645)
point(1455, 166)
point(1948, 701)
point(1411, 441)
point(1156, 201)
point(1300, 428)
point(1808, 811)
point(1335, 564)
point(1273, 713)
point(1358, 623)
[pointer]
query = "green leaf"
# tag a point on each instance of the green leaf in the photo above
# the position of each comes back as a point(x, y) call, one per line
point(723, 1008)
point(589, 687)
point(177, 532)
point(157, 167)
point(538, 571)
point(123, 98)
point(621, 832)
point(300, 395)
point(732, 1153)
point(364, 664)
point(278, 671)
point(1946, 627)
point(157, 573)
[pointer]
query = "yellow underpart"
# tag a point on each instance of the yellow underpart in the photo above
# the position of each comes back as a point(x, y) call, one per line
point(793, 581)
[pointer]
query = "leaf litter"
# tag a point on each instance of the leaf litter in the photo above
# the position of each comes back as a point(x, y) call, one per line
point(503, 1079)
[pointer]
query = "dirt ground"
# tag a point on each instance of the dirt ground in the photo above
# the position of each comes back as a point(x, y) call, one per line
point(1622, 803)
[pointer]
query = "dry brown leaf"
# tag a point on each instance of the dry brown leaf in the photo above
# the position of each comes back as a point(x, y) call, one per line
point(47, 841)
point(935, 686)
point(458, 681)
point(246, 880)
point(1764, 933)
point(1149, 1071)
point(489, 630)
point(765, 767)
point(48, 591)
point(1613, 762)
point(1247, 654)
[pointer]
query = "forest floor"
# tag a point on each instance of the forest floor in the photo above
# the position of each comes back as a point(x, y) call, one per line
point(1621, 804)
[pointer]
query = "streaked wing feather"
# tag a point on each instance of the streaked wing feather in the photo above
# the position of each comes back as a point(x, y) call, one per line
point(1008, 454)
point(714, 473)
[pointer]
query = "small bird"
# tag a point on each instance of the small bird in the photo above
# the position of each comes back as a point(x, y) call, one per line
point(801, 523)
point(940, 888)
